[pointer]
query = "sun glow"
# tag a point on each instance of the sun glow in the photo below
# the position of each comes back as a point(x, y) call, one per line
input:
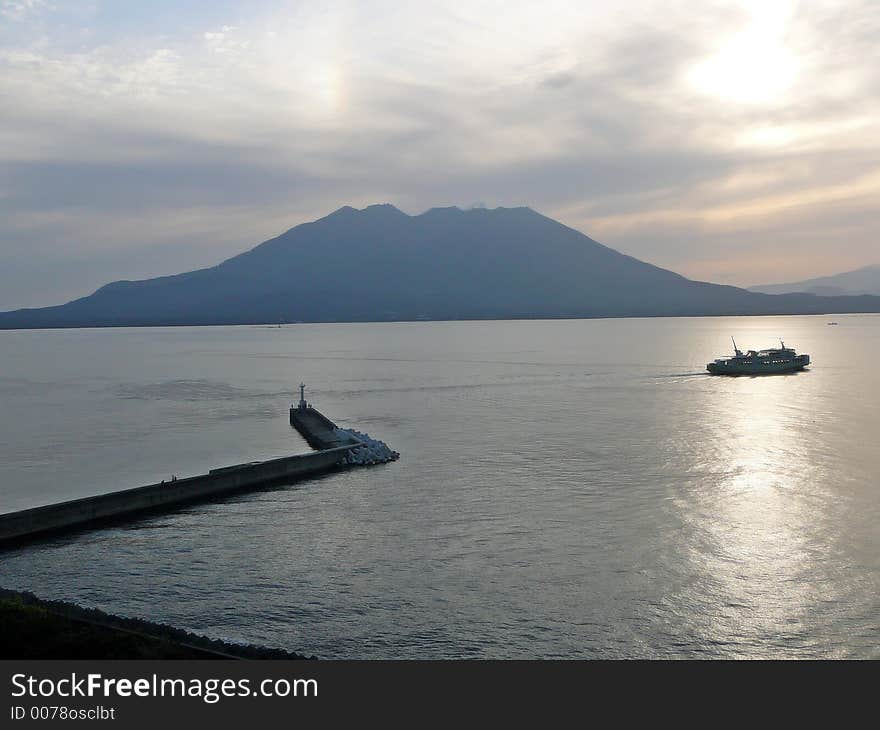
point(324, 85)
point(755, 66)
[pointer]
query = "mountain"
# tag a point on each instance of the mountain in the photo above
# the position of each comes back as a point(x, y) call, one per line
point(861, 281)
point(382, 264)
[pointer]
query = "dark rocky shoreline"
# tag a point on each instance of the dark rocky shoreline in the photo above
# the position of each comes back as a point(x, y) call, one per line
point(34, 628)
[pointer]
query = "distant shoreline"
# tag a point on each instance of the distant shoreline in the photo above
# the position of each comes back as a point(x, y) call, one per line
point(524, 318)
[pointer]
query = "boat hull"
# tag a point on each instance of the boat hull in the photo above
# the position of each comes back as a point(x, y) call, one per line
point(732, 367)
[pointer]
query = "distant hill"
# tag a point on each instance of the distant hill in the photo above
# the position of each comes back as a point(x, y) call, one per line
point(861, 281)
point(381, 264)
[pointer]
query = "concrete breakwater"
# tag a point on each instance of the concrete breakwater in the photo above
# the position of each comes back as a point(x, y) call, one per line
point(318, 430)
point(336, 451)
point(321, 433)
point(153, 497)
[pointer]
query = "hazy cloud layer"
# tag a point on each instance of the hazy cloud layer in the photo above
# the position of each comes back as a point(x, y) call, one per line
point(730, 141)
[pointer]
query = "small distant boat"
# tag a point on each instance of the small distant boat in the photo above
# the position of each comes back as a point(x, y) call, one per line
point(832, 323)
point(759, 362)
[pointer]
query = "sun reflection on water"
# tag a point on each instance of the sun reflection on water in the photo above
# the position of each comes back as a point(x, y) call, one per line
point(754, 514)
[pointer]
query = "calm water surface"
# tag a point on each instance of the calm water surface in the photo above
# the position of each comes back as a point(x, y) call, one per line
point(566, 488)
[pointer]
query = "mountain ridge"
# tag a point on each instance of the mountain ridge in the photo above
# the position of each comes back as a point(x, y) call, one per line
point(381, 264)
point(864, 280)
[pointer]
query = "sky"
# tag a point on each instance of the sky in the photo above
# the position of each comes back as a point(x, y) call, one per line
point(736, 142)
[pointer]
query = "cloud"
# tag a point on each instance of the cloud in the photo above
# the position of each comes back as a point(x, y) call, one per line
point(558, 80)
point(19, 9)
point(632, 122)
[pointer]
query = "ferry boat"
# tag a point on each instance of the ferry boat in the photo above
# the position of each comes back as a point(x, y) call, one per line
point(760, 362)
